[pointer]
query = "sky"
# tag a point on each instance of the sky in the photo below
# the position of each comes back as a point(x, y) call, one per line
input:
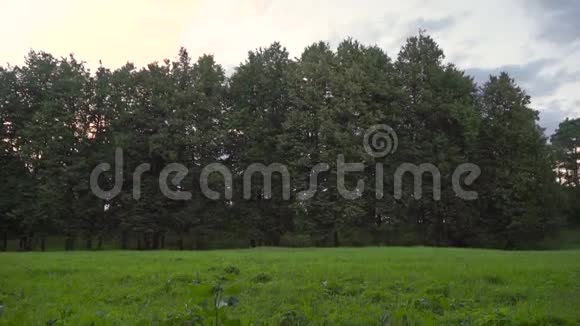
point(537, 41)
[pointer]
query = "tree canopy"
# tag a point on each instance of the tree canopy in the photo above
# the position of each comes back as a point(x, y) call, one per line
point(60, 120)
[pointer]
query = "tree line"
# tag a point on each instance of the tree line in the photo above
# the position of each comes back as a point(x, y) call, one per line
point(60, 120)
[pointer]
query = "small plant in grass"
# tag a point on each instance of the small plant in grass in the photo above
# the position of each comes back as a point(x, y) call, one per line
point(331, 288)
point(293, 318)
point(436, 305)
point(220, 301)
point(262, 278)
point(211, 305)
point(385, 319)
point(493, 280)
point(65, 312)
point(232, 270)
point(168, 285)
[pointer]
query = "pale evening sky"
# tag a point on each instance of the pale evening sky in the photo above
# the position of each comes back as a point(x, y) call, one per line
point(537, 41)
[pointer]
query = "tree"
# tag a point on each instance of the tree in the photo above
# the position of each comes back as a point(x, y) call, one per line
point(439, 125)
point(566, 142)
point(59, 121)
point(54, 96)
point(517, 206)
point(260, 101)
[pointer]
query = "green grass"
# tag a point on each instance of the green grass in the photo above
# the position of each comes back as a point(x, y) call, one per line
point(347, 286)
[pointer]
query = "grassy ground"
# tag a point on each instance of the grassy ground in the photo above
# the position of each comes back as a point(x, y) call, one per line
point(370, 286)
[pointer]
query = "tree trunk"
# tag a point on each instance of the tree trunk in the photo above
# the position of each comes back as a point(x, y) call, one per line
point(100, 242)
point(43, 243)
point(4, 240)
point(576, 167)
point(69, 243)
point(25, 242)
point(335, 241)
point(29, 245)
point(22, 243)
point(155, 241)
point(180, 242)
point(276, 240)
point(124, 240)
point(89, 243)
point(148, 240)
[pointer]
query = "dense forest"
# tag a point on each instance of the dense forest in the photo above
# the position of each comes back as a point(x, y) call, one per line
point(60, 120)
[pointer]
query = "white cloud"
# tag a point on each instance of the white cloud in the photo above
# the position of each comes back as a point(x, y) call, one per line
point(484, 35)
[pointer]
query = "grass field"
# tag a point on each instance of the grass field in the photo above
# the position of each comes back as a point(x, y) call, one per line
point(367, 286)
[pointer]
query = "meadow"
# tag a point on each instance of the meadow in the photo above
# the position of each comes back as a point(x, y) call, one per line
point(277, 286)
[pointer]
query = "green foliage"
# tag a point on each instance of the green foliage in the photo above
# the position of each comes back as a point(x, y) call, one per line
point(262, 278)
point(566, 142)
point(566, 145)
point(59, 121)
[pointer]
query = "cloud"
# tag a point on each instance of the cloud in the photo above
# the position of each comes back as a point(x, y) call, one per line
point(433, 25)
point(558, 112)
point(548, 92)
point(530, 76)
point(559, 19)
point(523, 73)
point(536, 41)
point(109, 30)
